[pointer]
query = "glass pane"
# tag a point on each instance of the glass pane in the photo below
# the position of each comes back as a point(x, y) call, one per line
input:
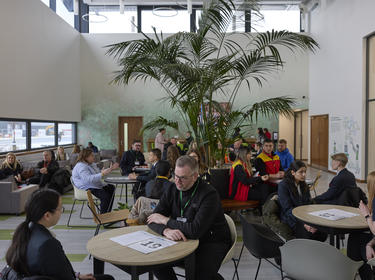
point(65, 133)
point(371, 137)
point(114, 22)
point(65, 10)
point(166, 20)
point(237, 24)
point(12, 136)
point(371, 61)
point(46, 2)
point(42, 134)
point(125, 137)
point(282, 17)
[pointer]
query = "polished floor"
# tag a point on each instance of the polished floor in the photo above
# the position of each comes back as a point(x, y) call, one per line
point(74, 239)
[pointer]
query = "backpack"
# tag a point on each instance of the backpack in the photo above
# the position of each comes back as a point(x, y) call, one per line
point(9, 274)
point(60, 179)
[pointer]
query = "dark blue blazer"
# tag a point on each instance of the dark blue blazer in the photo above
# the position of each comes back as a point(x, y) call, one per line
point(148, 176)
point(288, 200)
point(45, 255)
point(128, 161)
point(340, 182)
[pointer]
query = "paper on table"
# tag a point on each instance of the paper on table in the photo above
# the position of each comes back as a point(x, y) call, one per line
point(143, 241)
point(333, 214)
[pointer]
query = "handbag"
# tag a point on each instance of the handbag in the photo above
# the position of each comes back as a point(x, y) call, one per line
point(9, 274)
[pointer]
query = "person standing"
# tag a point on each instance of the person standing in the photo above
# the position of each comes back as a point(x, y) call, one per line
point(132, 158)
point(285, 156)
point(160, 140)
point(192, 210)
point(267, 134)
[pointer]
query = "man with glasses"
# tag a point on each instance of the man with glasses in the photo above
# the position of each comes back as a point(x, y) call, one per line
point(132, 158)
point(191, 209)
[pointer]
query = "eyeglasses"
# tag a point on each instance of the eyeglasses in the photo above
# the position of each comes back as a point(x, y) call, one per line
point(182, 178)
point(62, 209)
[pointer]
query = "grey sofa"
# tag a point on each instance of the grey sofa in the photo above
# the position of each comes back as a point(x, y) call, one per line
point(12, 198)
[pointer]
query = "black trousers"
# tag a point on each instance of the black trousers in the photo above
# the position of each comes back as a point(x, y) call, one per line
point(105, 195)
point(208, 258)
point(103, 277)
point(356, 250)
point(42, 180)
point(259, 192)
point(301, 232)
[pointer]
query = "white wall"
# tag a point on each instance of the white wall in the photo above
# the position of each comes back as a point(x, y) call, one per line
point(39, 63)
point(337, 70)
point(103, 103)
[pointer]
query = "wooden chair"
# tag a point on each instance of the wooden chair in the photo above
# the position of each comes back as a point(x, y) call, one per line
point(105, 218)
point(315, 183)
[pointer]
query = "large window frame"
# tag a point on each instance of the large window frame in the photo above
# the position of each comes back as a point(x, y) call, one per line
point(28, 134)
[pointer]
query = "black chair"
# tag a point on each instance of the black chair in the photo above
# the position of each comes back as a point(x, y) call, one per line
point(219, 179)
point(351, 196)
point(261, 242)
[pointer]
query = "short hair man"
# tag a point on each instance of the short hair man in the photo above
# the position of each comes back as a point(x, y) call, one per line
point(132, 158)
point(191, 209)
point(234, 148)
point(47, 167)
point(268, 163)
point(344, 179)
point(285, 156)
point(93, 147)
point(154, 158)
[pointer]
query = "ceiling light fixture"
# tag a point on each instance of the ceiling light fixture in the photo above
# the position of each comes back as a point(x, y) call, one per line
point(164, 12)
point(94, 17)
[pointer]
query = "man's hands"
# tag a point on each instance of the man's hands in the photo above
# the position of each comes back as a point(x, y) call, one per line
point(132, 176)
point(86, 277)
point(310, 228)
point(174, 234)
point(265, 177)
point(43, 170)
point(157, 219)
point(363, 209)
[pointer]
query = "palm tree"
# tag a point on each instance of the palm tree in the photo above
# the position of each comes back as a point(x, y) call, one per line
point(197, 69)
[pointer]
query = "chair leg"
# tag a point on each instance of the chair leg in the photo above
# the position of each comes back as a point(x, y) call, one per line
point(97, 230)
point(122, 186)
point(235, 268)
point(256, 275)
point(238, 262)
point(71, 211)
point(80, 213)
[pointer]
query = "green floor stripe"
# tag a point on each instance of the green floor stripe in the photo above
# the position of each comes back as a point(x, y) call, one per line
point(67, 200)
point(239, 239)
point(5, 217)
point(76, 257)
point(66, 211)
point(78, 227)
point(6, 234)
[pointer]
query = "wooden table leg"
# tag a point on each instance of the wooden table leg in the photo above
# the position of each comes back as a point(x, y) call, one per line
point(98, 266)
point(190, 266)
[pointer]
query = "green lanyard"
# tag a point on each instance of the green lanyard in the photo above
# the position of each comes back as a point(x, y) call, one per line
point(183, 209)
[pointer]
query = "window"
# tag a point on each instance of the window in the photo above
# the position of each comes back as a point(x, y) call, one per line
point(12, 136)
point(46, 2)
point(64, 9)
point(42, 134)
point(166, 19)
point(107, 19)
point(66, 134)
point(277, 17)
point(237, 24)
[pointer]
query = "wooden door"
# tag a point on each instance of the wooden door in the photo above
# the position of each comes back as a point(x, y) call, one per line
point(319, 141)
point(128, 130)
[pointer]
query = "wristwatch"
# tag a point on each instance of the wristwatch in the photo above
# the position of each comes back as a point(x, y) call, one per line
point(367, 216)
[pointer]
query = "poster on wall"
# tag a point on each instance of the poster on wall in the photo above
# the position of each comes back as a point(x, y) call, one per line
point(345, 138)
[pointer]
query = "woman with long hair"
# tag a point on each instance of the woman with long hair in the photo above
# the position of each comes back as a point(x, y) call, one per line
point(34, 250)
point(87, 176)
point(293, 192)
point(361, 245)
point(74, 155)
point(11, 166)
point(242, 185)
point(172, 155)
point(61, 155)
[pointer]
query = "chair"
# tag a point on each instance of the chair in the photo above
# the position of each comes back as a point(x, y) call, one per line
point(305, 259)
point(105, 218)
point(315, 183)
point(79, 195)
point(230, 253)
point(261, 242)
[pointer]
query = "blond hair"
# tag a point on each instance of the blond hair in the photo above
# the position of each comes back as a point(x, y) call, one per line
point(371, 188)
point(341, 157)
point(242, 156)
point(6, 164)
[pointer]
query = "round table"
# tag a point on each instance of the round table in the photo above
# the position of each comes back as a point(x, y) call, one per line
point(141, 169)
point(133, 262)
point(121, 180)
point(333, 228)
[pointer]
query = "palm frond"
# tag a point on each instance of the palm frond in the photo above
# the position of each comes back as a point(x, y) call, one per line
point(158, 123)
point(272, 107)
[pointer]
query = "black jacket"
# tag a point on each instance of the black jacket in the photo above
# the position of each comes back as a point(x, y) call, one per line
point(52, 167)
point(7, 171)
point(205, 217)
point(339, 183)
point(148, 176)
point(288, 200)
point(128, 161)
point(240, 176)
point(152, 190)
point(45, 255)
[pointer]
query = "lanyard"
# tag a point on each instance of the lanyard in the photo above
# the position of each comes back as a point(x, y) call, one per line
point(183, 209)
point(162, 177)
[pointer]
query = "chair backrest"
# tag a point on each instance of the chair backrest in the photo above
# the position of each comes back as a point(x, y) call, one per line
point(260, 240)
point(92, 206)
point(219, 179)
point(316, 180)
point(233, 235)
point(78, 193)
point(305, 259)
point(351, 196)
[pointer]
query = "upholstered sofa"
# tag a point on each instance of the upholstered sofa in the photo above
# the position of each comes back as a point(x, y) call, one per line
point(12, 198)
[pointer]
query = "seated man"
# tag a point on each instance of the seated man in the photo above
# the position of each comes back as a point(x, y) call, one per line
point(47, 167)
point(285, 156)
point(268, 163)
point(234, 148)
point(132, 158)
point(192, 210)
point(93, 148)
point(154, 158)
point(342, 180)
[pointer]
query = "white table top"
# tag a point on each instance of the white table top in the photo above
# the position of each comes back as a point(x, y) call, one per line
point(119, 180)
point(104, 249)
